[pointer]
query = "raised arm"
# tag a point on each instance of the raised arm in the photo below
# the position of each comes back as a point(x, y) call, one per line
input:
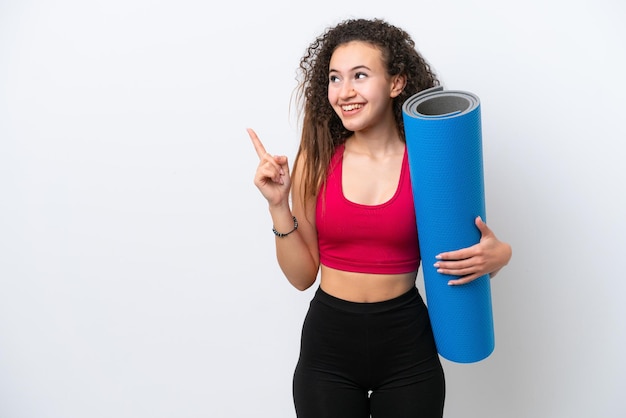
point(296, 237)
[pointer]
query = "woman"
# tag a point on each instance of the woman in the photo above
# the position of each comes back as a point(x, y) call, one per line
point(367, 347)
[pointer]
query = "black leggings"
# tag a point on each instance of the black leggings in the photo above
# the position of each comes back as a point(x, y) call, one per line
point(368, 359)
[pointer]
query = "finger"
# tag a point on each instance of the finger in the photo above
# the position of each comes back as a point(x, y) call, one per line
point(482, 226)
point(456, 255)
point(268, 171)
point(272, 167)
point(462, 280)
point(258, 145)
point(455, 265)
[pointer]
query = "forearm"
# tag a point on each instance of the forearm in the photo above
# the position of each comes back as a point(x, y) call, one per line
point(294, 256)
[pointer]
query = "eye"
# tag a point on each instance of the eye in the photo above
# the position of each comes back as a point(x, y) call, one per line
point(360, 75)
point(333, 79)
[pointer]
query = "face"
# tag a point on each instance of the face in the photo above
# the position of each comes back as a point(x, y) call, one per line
point(359, 88)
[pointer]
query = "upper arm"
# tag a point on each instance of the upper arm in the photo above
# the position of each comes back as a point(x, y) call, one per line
point(304, 211)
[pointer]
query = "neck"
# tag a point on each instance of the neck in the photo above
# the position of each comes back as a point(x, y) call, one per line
point(379, 142)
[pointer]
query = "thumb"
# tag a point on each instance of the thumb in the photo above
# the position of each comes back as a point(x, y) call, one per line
point(482, 227)
point(280, 159)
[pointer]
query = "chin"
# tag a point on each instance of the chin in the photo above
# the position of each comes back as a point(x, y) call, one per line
point(352, 126)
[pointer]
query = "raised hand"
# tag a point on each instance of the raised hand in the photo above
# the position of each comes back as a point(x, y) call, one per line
point(272, 176)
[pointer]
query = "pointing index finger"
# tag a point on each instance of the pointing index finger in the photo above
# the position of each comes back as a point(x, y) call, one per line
point(258, 146)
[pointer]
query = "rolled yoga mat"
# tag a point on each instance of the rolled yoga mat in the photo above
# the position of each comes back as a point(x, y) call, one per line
point(444, 145)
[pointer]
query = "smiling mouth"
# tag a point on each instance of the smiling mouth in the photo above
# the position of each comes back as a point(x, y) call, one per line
point(347, 108)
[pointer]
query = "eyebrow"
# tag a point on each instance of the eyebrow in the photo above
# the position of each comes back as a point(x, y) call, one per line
point(358, 67)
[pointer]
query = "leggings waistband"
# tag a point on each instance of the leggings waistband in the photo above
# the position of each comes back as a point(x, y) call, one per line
point(366, 307)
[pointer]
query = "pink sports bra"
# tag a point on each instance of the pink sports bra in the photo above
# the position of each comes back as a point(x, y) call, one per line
point(378, 239)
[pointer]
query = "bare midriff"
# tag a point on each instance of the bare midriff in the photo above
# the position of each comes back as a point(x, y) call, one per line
point(363, 287)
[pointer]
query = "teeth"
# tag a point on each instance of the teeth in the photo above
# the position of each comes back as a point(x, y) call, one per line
point(351, 107)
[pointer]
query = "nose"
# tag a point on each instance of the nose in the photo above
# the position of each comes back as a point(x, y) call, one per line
point(347, 90)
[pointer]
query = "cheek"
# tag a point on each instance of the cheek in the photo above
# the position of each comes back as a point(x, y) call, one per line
point(332, 100)
point(332, 96)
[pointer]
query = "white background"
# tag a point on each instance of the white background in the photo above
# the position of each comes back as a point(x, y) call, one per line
point(137, 269)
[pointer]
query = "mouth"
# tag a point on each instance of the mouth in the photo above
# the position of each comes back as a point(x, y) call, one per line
point(351, 107)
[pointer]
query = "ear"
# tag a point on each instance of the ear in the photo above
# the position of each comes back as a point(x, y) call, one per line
point(398, 82)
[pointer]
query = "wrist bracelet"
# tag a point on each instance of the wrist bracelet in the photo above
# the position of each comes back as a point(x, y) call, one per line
point(280, 234)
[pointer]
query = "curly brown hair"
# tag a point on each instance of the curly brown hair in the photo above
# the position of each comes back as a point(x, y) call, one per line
point(322, 129)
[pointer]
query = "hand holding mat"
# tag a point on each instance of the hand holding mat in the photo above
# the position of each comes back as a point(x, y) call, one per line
point(444, 145)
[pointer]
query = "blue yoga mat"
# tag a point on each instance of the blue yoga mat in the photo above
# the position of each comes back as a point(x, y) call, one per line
point(444, 144)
